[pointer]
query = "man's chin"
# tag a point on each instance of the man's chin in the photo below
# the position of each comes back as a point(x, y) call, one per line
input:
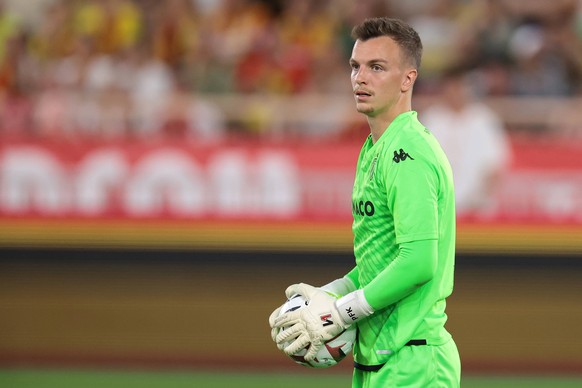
point(364, 108)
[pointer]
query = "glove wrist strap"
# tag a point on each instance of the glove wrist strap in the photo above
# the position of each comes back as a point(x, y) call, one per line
point(353, 307)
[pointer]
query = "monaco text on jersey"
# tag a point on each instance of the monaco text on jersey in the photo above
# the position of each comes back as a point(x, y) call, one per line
point(363, 208)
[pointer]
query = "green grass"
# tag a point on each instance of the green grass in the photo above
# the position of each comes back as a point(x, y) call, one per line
point(24, 378)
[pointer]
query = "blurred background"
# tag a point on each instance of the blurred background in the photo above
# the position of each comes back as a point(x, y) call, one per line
point(167, 168)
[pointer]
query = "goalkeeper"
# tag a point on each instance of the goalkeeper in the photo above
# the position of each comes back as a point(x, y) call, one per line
point(404, 233)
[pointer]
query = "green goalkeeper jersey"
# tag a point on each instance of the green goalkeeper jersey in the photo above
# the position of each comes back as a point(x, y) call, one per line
point(403, 192)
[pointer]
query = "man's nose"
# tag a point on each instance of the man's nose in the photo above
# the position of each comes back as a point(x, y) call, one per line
point(360, 77)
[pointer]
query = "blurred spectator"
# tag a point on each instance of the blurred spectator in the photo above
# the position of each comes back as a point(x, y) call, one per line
point(539, 71)
point(15, 111)
point(487, 27)
point(474, 140)
point(193, 118)
point(307, 31)
point(547, 51)
point(150, 86)
point(176, 31)
point(69, 71)
point(113, 63)
point(54, 38)
point(9, 29)
point(103, 107)
point(9, 47)
point(52, 113)
point(562, 41)
point(113, 24)
point(440, 35)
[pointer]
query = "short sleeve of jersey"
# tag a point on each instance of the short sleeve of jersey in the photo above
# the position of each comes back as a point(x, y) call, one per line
point(412, 197)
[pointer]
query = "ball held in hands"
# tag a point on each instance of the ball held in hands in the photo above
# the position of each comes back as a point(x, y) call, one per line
point(330, 352)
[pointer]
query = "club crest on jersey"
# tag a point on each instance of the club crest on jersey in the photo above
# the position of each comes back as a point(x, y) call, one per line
point(326, 319)
point(401, 156)
point(373, 168)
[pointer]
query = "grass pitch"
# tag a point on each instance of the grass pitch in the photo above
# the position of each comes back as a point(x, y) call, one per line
point(38, 378)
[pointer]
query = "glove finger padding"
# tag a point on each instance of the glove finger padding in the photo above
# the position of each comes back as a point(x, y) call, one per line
point(289, 319)
point(310, 338)
point(302, 289)
point(312, 351)
point(272, 317)
point(301, 342)
point(316, 323)
point(293, 327)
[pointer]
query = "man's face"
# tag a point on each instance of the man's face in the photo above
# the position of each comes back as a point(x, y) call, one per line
point(378, 75)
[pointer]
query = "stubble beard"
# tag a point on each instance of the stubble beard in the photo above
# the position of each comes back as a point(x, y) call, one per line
point(365, 109)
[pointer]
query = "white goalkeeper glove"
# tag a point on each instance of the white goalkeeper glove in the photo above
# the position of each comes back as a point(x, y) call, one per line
point(275, 330)
point(341, 286)
point(324, 318)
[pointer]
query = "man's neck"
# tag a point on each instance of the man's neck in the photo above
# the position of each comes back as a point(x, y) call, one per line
point(379, 124)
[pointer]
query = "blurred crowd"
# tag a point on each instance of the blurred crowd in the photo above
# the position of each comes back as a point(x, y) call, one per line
point(149, 68)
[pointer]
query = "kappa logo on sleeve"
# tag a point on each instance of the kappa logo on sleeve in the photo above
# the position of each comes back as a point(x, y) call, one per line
point(401, 156)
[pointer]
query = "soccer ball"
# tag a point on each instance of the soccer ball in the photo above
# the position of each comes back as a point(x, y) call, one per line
point(334, 350)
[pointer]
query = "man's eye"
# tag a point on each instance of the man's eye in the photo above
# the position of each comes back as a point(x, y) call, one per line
point(377, 68)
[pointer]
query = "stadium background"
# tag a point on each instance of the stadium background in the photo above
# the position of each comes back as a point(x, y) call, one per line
point(169, 167)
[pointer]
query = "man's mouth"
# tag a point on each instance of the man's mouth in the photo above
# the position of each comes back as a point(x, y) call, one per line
point(360, 94)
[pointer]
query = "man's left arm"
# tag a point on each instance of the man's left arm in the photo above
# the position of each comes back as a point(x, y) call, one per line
point(414, 266)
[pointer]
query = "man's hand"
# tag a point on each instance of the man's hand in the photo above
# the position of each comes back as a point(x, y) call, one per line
point(312, 326)
point(272, 318)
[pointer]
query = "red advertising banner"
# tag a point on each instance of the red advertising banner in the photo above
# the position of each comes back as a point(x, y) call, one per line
point(248, 181)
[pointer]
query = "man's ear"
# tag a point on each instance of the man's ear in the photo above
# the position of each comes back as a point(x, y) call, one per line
point(409, 79)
